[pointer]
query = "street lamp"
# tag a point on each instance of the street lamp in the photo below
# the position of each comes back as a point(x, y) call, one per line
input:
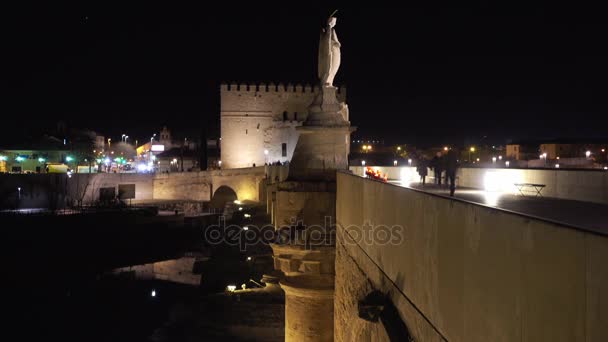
point(507, 163)
point(588, 154)
point(394, 163)
point(445, 148)
point(493, 159)
point(363, 163)
point(471, 150)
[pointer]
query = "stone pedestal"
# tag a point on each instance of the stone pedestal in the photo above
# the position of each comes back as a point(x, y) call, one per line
point(324, 141)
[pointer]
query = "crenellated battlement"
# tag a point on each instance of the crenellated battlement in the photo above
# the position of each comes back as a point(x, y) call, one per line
point(273, 88)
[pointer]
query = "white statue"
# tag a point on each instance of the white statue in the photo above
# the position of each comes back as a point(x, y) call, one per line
point(329, 53)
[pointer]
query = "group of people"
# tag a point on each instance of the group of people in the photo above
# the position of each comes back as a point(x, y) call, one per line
point(439, 164)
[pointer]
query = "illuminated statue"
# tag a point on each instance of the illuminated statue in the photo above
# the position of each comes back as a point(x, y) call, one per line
point(329, 53)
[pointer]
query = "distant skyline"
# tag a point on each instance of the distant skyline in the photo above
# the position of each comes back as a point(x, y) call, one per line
point(417, 75)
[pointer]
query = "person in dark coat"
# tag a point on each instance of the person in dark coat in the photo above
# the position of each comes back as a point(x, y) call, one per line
point(451, 166)
point(437, 165)
point(422, 170)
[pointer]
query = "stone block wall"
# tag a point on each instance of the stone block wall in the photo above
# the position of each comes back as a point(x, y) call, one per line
point(194, 186)
point(464, 272)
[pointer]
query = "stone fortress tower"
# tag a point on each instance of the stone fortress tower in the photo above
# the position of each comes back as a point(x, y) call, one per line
point(257, 117)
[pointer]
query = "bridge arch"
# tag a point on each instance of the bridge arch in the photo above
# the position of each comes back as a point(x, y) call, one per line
point(222, 195)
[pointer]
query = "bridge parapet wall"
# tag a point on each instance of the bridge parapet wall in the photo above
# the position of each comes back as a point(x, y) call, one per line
point(580, 185)
point(464, 272)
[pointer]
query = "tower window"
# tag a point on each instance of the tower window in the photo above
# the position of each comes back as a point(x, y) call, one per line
point(285, 116)
point(295, 116)
point(284, 149)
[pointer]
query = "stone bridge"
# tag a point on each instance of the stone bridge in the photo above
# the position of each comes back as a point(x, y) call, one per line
point(247, 184)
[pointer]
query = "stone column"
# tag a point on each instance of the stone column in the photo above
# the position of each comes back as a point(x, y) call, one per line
point(304, 214)
point(308, 282)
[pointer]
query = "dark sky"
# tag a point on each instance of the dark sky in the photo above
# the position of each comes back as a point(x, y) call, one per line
point(415, 74)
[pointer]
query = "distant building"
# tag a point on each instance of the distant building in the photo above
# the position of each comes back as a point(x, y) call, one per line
point(30, 161)
point(514, 152)
point(178, 160)
point(100, 143)
point(163, 143)
point(258, 122)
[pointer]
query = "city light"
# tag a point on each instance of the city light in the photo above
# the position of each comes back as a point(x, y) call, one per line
point(588, 154)
point(409, 161)
point(247, 215)
point(399, 148)
point(472, 149)
point(478, 159)
point(153, 293)
point(240, 208)
point(3, 158)
point(245, 228)
point(237, 202)
point(266, 152)
point(69, 158)
point(363, 162)
point(557, 166)
point(231, 288)
point(41, 160)
point(394, 163)
point(603, 150)
point(499, 157)
point(248, 258)
point(445, 148)
point(107, 161)
point(493, 159)
point(19, 159)
point(507, 163)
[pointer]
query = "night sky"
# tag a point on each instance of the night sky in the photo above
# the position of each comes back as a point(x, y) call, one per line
point(414, 75)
